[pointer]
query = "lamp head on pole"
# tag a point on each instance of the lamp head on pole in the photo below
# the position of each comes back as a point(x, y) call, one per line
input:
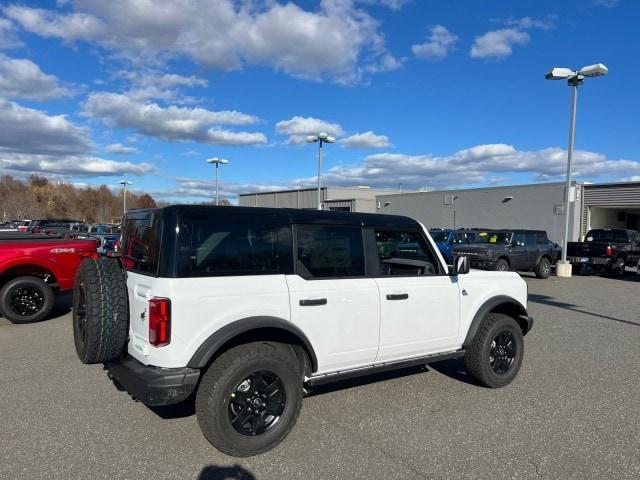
point(217, 161)
point(574, 77)
point(125, 182)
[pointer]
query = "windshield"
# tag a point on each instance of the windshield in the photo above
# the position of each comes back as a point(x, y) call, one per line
point(492, 237)
point(440, 236)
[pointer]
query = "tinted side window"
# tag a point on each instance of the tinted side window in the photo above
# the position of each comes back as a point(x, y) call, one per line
point(217, 246)
point(404, 253)
point(325, 251)
point(141, 244)
point(531, 239)
point(621, 237)
point(518, 239)
point(542, 238)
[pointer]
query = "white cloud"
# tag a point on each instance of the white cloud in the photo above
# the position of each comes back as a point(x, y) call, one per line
point(21, 78)
point(366, 140)
point(528, 22)
point(70, 165)
point(225, 34)
point(120, 149)
point(8, 37)
point(299, 127)
point(26, 130)
point(392, 4)
point(205, 189)
point(498, 43)
point(479, 164)
point(31, 141)
point(171, 123)
point(438, 45)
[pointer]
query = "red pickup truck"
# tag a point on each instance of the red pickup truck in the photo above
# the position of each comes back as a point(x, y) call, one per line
point(33, 269)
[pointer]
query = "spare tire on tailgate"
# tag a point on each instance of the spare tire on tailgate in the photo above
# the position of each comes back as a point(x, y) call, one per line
point(100, 310)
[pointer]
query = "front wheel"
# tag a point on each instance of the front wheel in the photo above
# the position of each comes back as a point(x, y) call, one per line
point(543, 268)
point(502, 265)
point(26, 300)
point(250, 398)
point(495, 354)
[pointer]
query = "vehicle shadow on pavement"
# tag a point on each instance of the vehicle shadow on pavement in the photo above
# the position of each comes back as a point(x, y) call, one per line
point(234, 472)
point(183, 409)
point(547, 300)
point(454, 369)
point(62, 305)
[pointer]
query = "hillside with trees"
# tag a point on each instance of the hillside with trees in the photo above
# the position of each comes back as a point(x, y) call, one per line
point(38, 197)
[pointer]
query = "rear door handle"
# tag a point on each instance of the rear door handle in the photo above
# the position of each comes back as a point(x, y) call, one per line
point(398, 296)
point(312, 302)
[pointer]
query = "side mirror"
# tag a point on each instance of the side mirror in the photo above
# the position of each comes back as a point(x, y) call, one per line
point(461, 265)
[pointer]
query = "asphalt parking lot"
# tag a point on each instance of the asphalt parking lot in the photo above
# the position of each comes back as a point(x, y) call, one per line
point(573, 412)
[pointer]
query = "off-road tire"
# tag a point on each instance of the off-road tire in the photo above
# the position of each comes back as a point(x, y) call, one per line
point(222, 377)
point(477, 356)
point(100, 310)
point(576, 269)
point(37, 286)
point(617, 268)
point(543, 268)
point(502, 265)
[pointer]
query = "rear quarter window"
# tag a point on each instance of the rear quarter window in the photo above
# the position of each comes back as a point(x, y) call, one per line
point(141, 243)
point(228, 246)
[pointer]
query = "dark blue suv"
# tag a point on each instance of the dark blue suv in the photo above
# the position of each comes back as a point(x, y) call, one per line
point(446, 239)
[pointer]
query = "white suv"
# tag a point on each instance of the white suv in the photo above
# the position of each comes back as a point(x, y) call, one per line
point(247, 307)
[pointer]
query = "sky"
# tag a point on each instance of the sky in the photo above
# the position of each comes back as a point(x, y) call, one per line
point(431, 94)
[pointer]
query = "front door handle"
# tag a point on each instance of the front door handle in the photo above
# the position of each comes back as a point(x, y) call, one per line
point(398, 296)
point(312, 302)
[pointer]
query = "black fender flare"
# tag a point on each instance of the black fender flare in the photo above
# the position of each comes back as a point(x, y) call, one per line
point(211, 345)
point(505, 304)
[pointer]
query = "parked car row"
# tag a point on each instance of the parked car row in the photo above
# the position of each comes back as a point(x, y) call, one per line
point(500, 250)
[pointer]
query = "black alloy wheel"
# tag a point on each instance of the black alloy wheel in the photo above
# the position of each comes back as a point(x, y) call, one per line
point(503, 352)
point(257, 403)
point(27, 301)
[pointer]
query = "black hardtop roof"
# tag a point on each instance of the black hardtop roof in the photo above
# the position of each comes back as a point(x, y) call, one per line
point(292, 215)
point(508, 230)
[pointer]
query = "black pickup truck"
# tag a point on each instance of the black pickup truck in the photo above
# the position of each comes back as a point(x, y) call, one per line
point(511, 250)
point(607, 250)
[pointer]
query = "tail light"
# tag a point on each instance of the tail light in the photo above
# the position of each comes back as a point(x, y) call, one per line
point(611, 251)
point(159, 321)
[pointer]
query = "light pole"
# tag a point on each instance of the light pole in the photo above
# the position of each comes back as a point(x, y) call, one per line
point(124, 184)
point(320, 138)
point(574, 78)
point(217, 161)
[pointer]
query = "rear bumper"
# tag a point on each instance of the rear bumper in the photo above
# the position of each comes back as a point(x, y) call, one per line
point(593, 262)
point(153, 386)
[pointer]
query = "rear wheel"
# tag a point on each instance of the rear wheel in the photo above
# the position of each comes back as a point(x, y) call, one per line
point(543, 268)
point(26, 300)
point(249, 398)
point(617, 268)
point(495, 354)
point(502, 265)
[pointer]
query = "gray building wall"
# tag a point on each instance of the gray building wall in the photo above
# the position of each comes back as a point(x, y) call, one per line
point(539, 206)
point(358, 199)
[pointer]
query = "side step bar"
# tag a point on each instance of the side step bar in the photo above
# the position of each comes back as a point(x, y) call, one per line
point(381, 367)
